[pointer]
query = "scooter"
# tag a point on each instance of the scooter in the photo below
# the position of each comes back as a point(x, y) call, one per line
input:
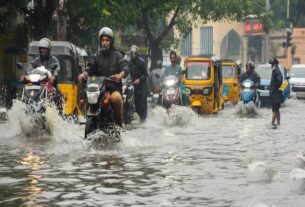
point(249, 95)
point(128, 104)
point(171, 92)
point(100, 112)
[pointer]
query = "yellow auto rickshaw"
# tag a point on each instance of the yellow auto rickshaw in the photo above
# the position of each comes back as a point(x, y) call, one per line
point(230, 73)
point(69, 59)
point(202, 78)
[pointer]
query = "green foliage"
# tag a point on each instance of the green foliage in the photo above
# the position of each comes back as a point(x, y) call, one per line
point(9, 10)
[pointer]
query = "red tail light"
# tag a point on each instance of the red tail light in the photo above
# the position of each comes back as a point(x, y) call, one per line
point(156, 90)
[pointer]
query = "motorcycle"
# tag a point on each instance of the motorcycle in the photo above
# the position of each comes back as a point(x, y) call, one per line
point(171, 92)
point(128, 104)
point(38, 93)
point(249, 95)
point(156, 97)
point(100, 112)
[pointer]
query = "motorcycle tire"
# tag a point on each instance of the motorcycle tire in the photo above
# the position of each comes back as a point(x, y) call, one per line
point(91, 125)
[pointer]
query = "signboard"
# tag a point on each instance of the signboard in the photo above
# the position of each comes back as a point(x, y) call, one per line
point(254, 27)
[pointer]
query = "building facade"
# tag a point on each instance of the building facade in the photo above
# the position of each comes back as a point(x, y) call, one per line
point(220, 38)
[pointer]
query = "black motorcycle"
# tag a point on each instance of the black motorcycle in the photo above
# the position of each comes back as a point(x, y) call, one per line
point(100, 112)
point(128, 98)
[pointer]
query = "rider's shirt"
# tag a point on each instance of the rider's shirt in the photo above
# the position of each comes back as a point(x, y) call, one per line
point(173, 70)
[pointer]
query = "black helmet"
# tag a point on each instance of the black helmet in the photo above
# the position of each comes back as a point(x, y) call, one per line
point(274, 61)
point(251, 65)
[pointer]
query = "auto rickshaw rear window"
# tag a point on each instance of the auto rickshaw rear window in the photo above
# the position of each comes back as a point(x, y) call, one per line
point(228, 71)
point(198, 70)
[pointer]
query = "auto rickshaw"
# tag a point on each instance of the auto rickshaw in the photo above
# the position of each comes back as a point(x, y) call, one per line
point(230, 73)
point(69, 59)
point(202, 78)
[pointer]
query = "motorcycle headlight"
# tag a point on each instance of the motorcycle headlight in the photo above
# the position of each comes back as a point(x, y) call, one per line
point(247, 85)
point(92, 97)
point(34, 78)
point(207, 91)
point(170, 82)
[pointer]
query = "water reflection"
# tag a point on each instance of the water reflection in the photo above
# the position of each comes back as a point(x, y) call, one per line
point(32, 190)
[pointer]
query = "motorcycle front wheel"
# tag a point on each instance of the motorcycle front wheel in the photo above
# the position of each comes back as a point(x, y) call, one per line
point(91, 125)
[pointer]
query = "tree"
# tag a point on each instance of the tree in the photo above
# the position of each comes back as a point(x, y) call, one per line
point(158, 18)
point(83, 21)
point(39, 16)
point(9, 10)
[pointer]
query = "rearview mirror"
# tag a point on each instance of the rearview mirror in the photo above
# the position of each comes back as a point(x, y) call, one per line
point(19, 65)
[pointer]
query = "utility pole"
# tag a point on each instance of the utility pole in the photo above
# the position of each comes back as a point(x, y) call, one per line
point(267, 37)
point(289, 29)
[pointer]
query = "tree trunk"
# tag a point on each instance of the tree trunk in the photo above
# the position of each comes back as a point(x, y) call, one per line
point(155, 54)
point(42, 17)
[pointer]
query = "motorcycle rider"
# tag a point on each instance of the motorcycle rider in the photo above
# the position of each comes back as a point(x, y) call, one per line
point(109, 62)
point(176, 70)
point(46, 59)
point(251, 74)
point(275, 93)
point(138, 73)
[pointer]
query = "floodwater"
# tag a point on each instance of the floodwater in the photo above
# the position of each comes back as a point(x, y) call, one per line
point(185, 160)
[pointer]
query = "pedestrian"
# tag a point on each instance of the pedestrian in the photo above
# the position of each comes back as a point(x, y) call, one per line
point(275, 93)
point(138, 73)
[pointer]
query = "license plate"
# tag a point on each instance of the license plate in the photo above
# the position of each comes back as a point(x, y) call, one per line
point(170, 91)
point(33, 87)
point(264, 93)
point(156, 95)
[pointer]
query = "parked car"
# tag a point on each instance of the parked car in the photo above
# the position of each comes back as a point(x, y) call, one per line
point(265, 72)
point(297, 80)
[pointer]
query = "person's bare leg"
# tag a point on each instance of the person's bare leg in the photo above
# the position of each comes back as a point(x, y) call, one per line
point(278, 118)
point(273, 117)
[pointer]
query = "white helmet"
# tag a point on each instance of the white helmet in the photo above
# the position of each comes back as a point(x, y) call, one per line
point(106, 31)
point(45, 43)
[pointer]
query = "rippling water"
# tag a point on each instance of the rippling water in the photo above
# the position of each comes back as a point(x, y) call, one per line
point(182, 160)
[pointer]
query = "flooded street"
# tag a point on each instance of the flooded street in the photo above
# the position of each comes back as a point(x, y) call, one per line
point(185, 161)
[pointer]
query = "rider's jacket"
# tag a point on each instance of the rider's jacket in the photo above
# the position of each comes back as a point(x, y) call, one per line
point(107, 64)
point(138, 70)
point(37, 62)
point(252, 76)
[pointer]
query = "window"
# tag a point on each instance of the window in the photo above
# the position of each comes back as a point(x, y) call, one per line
point(198, 71)
point(233, 43)
point(186, 45)
point(206, 40)
point(228, 71)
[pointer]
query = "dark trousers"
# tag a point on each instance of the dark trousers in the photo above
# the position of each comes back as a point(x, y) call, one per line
point(141, 104)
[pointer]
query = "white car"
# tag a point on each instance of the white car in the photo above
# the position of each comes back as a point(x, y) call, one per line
point(297, 80)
